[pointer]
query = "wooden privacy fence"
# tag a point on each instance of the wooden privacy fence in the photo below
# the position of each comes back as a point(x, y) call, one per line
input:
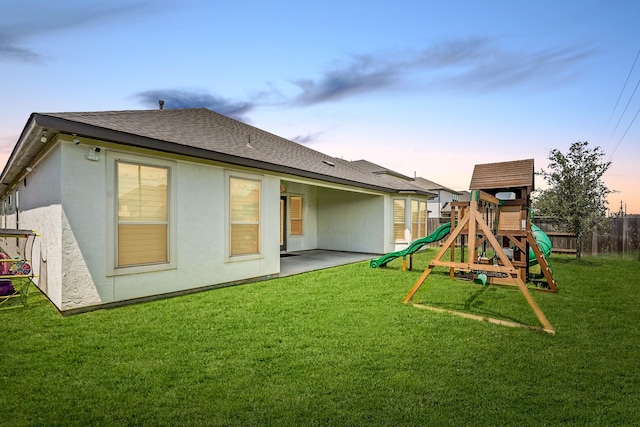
point(623, 236)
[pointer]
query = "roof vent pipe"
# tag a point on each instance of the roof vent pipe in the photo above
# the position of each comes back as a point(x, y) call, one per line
point(161, 102)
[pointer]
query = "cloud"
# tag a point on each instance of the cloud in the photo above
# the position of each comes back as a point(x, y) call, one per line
point(175, 98)
point(477, 64)
point(482, 65)
point(31, 18)
point(307, 139)
point(474, 64)
point(361, 74)
point(9, 52)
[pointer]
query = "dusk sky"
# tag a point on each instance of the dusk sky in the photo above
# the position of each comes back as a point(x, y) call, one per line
point(424, 87)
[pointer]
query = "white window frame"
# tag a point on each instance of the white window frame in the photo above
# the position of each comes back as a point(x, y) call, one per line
point(418, 223)
point(406, 202)
point(112, 267)
point(228, 174)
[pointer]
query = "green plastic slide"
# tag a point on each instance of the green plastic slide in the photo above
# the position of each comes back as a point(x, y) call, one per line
point(543, 241)
point(439, 234)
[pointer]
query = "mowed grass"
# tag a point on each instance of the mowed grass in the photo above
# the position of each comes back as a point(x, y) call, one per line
point(335, 347)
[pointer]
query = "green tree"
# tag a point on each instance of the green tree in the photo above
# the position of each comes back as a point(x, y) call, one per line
point(577, 197)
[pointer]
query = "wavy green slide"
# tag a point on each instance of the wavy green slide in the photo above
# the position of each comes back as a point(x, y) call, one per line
point(438, 234)
point(543, 241)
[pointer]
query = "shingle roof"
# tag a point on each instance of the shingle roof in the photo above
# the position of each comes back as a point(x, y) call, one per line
point(503, 175)
point(433, 186)
point(394, 179)
point(203, 133)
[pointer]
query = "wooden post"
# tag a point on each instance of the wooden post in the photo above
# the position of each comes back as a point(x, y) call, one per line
point(473, 210)
point(455, 212)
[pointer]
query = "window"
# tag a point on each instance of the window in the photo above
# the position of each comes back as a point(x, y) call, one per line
point(418, 219)
point(423, 218)
point(142, 214)
point(295, 215)
point(398, 219)
point(244, 205)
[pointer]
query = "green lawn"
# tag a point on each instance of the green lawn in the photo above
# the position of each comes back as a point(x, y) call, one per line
point(335, 347)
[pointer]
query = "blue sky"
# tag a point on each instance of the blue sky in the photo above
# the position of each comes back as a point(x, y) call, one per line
point(429, 87)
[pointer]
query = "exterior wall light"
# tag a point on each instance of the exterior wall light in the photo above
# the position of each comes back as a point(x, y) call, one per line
point(93, 154)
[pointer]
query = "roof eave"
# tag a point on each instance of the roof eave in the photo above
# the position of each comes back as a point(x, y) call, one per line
point(23, 153)
point(420, 192)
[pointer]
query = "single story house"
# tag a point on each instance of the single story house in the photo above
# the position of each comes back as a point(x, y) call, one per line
point(135, 204)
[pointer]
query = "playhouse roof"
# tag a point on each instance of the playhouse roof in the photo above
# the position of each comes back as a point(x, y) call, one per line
point(503, 175)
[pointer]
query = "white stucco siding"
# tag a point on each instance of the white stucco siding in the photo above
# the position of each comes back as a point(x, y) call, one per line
point(40, 210)
point(83, 228)
point(349, 221)
point(202, 244)
point(309, 239)
point(199, 253)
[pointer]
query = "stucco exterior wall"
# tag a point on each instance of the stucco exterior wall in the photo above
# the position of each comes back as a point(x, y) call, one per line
point(350, 221)
point(436, 204)
point(76, 237)
point(70, 200)
point(40, 210)
point(309, 239)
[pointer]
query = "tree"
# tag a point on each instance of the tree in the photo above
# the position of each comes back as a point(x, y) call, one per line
point(577, 197)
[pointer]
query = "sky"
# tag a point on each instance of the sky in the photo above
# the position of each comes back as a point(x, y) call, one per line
point(426, 88)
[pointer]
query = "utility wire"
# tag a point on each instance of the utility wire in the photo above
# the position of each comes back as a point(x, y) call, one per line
point(625, 110)
point(625, 133)
point(624, 86)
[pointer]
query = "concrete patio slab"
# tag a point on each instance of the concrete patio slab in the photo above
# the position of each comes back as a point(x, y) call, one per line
point(301, 262)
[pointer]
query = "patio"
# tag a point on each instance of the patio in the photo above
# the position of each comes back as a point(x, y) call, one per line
point(301, 262)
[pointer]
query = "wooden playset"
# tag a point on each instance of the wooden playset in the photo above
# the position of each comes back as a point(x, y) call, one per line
point(500, 242)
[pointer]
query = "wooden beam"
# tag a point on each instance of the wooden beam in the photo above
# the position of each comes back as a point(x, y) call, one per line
point(473, 211)
point(475, 266)
point(497, 247)
point(516, 242)
point(483, 196)
point(542, 261)
point(417, 285)
point(484, 318)
point(534, 306)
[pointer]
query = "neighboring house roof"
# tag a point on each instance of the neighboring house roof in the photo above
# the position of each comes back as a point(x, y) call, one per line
point(434, 186)
point(378, 170)
point(196, 132)
point(503, 175)
point(396, 180)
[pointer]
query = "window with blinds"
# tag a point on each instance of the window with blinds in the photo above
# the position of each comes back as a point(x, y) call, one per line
point(295, 215)
point(244, 204)
point(418, 219)
point(398, 219)
point(143, 220)
point(422, 217)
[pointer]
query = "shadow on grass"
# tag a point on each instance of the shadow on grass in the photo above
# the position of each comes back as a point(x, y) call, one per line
point(580, 262)
point(465, 296)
